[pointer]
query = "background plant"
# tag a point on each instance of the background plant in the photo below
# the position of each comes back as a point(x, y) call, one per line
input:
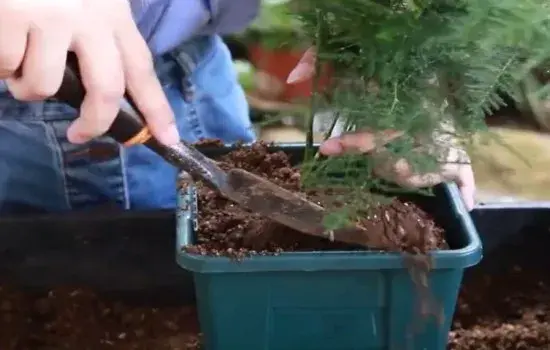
point(276, 27)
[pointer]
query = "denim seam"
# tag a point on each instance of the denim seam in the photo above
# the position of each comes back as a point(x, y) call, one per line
point(194, 121)
point(188, 64)
point(57, 149)
point(124, 171)
point(208, 54)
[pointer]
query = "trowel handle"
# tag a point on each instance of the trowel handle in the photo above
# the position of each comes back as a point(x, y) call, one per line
point(128, 127)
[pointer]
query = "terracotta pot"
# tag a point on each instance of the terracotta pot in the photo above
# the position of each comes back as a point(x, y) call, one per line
point(278, 63)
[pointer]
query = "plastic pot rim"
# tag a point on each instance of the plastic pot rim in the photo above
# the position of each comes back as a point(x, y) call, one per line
point(466, 256)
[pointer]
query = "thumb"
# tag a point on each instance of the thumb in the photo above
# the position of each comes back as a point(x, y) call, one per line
point(463, 176)
point(466, 184)
point(305, 69)
point(357, 142)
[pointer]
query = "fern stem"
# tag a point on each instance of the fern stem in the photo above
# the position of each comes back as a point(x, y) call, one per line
point(309, 151)
point(327, 134)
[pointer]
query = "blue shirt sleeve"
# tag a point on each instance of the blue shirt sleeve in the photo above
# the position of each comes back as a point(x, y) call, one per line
point(229, 16)
point(166, 23)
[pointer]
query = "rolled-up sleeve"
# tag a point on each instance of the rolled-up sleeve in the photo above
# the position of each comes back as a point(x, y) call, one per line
point(167, 23)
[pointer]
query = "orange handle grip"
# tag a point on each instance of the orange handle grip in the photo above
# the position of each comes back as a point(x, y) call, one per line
point(141, 137)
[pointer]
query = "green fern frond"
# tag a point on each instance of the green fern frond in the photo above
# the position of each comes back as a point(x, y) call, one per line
point(431, 62)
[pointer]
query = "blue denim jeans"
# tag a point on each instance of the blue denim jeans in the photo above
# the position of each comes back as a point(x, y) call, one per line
point(40, 171)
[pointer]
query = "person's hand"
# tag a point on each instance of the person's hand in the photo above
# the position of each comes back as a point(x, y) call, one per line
point(305, 68)
point(454, 165)
point(35, 37)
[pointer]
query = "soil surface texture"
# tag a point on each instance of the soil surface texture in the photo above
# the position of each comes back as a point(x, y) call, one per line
point(505, 309)
point(77, 319)
point(505, 302)
point(228, 230)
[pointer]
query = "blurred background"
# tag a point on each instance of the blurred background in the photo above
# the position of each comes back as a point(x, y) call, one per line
point(514, 169)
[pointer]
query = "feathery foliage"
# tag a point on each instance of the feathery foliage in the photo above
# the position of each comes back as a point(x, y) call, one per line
point(416, 66)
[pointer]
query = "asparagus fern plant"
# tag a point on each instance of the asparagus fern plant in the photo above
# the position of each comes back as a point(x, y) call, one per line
point(417, 66)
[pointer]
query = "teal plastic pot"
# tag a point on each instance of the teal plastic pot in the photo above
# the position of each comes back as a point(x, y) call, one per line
point(328, 300)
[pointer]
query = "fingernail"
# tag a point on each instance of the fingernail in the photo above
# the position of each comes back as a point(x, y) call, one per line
point(76, 137)
point(169, 136)
point(468, 199)
point(391, 133)
point(293, 76)
point(331, 147)
point(298, 74)
point(470, 204)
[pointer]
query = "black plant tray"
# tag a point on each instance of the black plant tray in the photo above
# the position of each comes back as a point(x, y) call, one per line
point(132, 253)
point(115, 252)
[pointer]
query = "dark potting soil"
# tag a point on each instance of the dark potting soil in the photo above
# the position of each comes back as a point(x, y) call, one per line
point(209, 143)
point(506, 307)
point(226, 229)
point(77, 319)
point(506, 310)
point(510, 311)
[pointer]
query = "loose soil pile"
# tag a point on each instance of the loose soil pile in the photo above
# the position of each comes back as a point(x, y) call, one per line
point(76, 319)
point(509, 310)
point(226, 229)
point(505, 302)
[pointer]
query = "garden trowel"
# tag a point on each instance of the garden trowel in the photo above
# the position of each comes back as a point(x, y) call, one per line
point(252, 192)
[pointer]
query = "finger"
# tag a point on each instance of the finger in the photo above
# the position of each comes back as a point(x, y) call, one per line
point(13, 41)
point(462, 175)
point(43, 64)
point(103, 79)
point(305, 69)
point(143, 85)
point(390, 168)
point(399, 171)
point(467, 186)
point(357, 142)
point(420, 180)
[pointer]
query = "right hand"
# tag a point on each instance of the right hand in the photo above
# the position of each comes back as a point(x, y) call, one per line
point(35, 37)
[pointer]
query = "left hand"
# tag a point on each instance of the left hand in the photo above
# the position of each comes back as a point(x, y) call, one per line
point(399, 171)
point(456, 167)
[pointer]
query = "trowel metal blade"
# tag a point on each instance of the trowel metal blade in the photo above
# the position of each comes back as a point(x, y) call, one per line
point(289, 209)
point(264, 197)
